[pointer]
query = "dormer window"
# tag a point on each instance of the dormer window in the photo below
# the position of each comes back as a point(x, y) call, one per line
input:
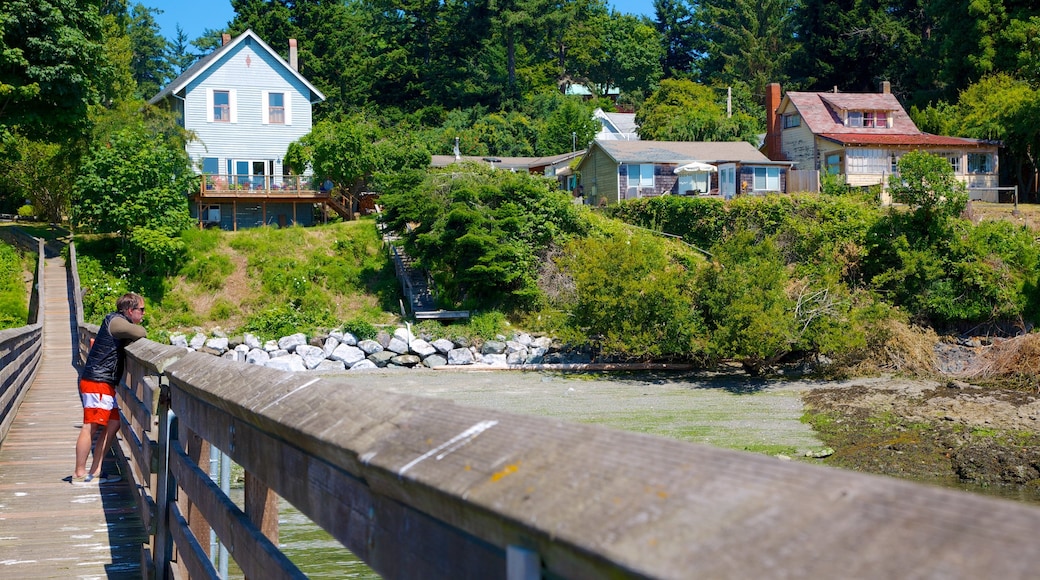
point(867, 119)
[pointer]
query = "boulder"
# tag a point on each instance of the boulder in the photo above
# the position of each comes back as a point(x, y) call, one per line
point(179, 340)
point(271, 345)
point(397, 345)
point(330, 345)
point(422, 348)
point(330, 365)
point(312, 355)
point(363, 365)
point(443, 345)
point(493, 347)
point(383, 338)
point(348, 338)
point(370, 346)
point(460, 356)
point(348, 354)
point(497, 360)
point(251, 341)
point(381, 358)
point(405, 360)
point(257, 356)
point(291, 363)
point(404, 334)
point(435, 360)
point(218, 344)
point(292, 341)
point(197, 341)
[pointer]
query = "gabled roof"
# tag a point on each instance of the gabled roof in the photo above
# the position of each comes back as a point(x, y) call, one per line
point(177, 86)
point(821, 112)
point(681, 152)
point(617, 123)
point(525, 163)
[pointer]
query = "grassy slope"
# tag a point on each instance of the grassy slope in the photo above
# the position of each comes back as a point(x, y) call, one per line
point(339, 270)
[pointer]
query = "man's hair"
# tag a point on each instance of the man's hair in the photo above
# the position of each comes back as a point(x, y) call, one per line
point(128, 301)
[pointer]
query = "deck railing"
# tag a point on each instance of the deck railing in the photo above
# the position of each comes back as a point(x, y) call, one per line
point(244, 184)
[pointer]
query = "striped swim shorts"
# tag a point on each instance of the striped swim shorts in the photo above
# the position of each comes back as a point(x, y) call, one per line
point(99, 402)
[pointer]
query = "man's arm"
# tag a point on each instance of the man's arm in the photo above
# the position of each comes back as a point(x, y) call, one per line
point(123, 329)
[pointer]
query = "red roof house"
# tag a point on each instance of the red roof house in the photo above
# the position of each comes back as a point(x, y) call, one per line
point(862, 136)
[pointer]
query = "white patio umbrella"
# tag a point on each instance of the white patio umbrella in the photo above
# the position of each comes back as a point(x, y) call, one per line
point(696, 167)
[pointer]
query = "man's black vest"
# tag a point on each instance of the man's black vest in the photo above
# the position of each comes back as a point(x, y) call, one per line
point(105, 359)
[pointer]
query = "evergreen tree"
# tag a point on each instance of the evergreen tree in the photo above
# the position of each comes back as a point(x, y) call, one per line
point(682, 35)
point(150, 64)
point(748, 41)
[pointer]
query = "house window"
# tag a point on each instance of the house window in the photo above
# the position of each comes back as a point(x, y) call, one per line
point(693, 183)
point(210, 213)
point(955, 161)
point(875, 119)
point(792, 121)
point(641, 176)
point(221, 106)
point(767, 179)
point(276, 108)
point(855, 119)
point(833, 163)
point(894, 162)
point(867, 161)
point(980, 163)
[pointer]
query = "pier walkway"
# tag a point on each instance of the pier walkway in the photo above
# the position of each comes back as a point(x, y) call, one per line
point(48, 527)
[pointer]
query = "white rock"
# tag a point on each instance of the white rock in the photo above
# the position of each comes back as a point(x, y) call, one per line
point(179, 340)
point(251, 340)
point(363, 365)
point(422, 348)
point(331, 365)
point(330, 345)
point(197, 341)
point(524, 338)
point(370, 346)
point(543, 342)
point(397, 345)
point(292, 363)
point(243, 350)
point(218, 344)
point(257, 356)
point(348, 338)
point(443, 345)
point(348, 354)
point(279, 353)
point(312, 355)
point(404, 334)
point(460, 356)
point(230, 355)
point(271, 345)
point(292, 341)
point(498, 360)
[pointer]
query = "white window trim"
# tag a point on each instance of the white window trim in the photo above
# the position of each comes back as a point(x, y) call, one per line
point(232, 104)
point(265, 99)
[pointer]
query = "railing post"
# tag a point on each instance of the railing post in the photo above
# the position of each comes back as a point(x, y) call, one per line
point(166, 488)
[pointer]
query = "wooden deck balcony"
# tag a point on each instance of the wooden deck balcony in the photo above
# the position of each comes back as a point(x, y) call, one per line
point(287, 187)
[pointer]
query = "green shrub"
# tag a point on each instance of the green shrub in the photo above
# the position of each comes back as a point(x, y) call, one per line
point(222, 310)
point(632, 299)
point(14, 309)
point(360, 329)
point(279, 321)
point(100, 288)
point(208, 271)
point(26, 211)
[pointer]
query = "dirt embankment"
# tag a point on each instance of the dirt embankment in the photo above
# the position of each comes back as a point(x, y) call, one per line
point(977, 423)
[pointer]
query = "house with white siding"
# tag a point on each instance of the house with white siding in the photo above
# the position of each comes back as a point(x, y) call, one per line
point(861, 136)
point(245, 105)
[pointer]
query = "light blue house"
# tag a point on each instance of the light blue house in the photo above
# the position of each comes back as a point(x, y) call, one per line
point(245, 105)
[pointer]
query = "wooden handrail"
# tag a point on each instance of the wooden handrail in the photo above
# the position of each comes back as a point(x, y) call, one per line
point(21, 349)
point(424, 488)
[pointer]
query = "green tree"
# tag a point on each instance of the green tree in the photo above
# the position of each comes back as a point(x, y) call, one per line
point(51, 53)
point(748, 41)
point(134, 179)
point(629, 57)
point(632, 299)
point(150, 63)
point(569, 126)
point(749, 315)
point(682, 33)
point(926, 182)
point(41, 172)
point(681, 110)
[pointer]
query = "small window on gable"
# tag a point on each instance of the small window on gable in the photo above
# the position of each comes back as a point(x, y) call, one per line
point(793, 120)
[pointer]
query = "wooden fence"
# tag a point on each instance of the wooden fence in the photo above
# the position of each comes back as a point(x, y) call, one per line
point(20, 352)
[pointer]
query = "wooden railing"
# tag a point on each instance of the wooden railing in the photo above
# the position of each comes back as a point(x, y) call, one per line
point(20, 351)
point(244, 184)
point(423, 488)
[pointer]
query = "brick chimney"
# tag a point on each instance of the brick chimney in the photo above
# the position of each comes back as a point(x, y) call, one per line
point(773, 142)
point(886, 87)
point(294, 57)
point(225, 39)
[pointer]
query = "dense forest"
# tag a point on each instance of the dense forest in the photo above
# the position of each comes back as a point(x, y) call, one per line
point(494, 74)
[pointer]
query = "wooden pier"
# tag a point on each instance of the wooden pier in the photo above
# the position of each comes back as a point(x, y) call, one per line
point(48, 527)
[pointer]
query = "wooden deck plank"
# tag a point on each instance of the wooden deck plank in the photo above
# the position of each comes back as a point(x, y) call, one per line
point(48, 527)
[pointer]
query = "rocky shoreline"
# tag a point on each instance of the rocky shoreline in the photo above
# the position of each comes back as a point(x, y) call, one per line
point(340, 351)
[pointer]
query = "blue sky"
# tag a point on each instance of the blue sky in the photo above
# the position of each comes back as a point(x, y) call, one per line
point(195, 16)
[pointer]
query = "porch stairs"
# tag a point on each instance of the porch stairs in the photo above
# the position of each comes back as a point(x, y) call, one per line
point(341, 205)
